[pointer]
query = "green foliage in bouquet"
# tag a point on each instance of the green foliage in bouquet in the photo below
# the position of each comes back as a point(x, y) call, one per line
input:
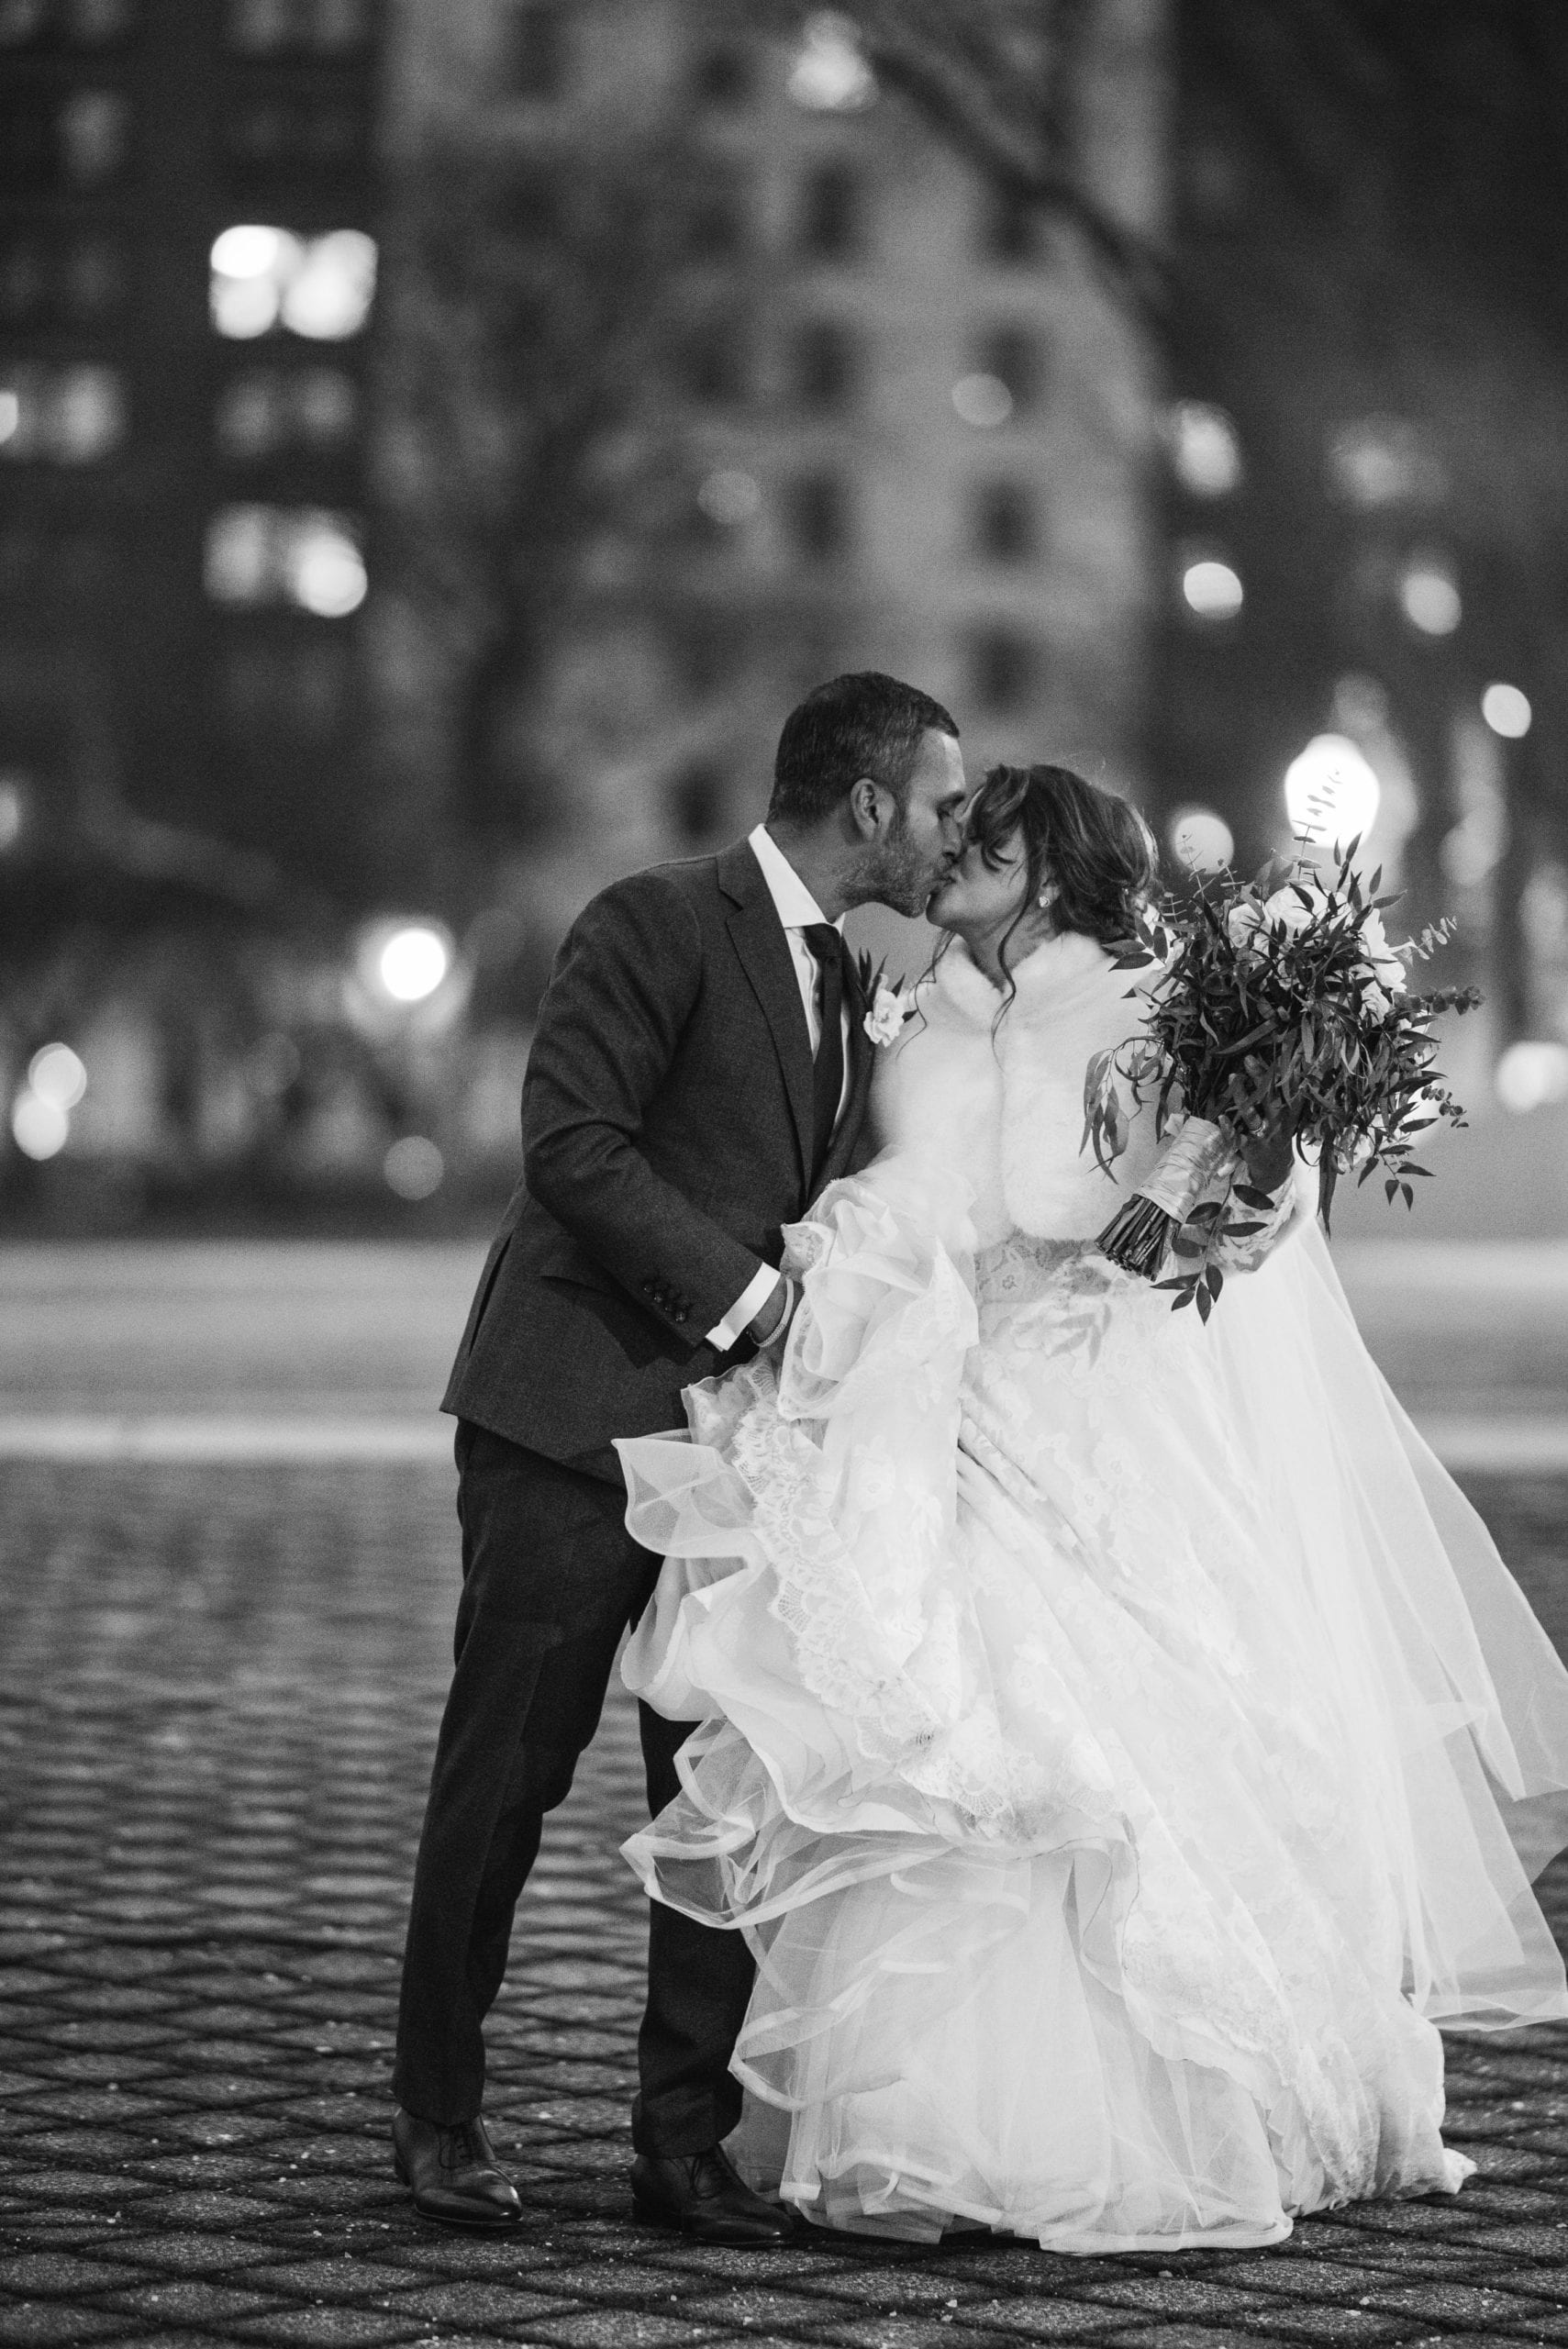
point(1281, 1010)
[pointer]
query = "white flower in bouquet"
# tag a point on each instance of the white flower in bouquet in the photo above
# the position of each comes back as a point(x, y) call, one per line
point(1247, 923)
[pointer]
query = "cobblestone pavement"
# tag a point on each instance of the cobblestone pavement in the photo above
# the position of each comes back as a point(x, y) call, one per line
point(219, 1690)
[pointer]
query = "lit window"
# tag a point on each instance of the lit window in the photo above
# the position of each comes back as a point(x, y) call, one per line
point(67, 415)
point(21, 21)
point(269, 410)
point(537, 60)
point(1004, 670)
point(320, 287)
point(818, 508)
point(264, 27)
point(276, 555)
point(95, 23)
point(832, 203)
point(1004, 522)
point(1011, 356)
point(823, 364)
point(95, 136)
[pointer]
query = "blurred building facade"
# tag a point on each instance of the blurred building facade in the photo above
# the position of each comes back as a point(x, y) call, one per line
point(887, 418)
point(180, 471)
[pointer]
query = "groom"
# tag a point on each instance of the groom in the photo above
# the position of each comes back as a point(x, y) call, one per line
point(699, 1072)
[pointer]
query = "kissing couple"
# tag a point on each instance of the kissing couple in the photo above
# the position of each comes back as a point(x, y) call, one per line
point(1091, 1754)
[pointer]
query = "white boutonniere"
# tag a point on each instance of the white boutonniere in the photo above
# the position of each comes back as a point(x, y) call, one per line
point(892, 1003)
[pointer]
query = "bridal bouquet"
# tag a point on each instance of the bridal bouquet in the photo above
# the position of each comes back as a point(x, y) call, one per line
point(1282, 1016)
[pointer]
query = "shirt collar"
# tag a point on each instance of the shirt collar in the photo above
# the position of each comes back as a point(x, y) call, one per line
point(796, 905)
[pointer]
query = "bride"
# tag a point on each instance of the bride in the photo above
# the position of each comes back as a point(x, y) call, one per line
point(1121, 1744)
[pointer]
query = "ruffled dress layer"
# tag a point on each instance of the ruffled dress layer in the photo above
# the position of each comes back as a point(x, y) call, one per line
point(1122, 1746)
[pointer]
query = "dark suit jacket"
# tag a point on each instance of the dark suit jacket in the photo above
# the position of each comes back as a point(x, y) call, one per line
point(666, 1138)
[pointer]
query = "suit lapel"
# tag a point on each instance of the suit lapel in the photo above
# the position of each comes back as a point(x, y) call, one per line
point(760, 941)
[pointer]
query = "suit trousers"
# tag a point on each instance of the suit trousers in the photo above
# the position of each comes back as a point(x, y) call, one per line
point(551, 1579)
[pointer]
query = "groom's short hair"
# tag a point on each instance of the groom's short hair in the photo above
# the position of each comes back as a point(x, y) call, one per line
point(860, 724)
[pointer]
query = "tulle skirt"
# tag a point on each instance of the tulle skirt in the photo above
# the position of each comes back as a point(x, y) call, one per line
point(1121, 1743)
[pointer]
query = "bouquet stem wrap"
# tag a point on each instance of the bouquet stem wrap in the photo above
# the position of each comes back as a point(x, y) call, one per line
point(1139, 1233)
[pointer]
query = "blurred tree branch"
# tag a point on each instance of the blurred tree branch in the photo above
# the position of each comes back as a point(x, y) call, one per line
point(535, 456)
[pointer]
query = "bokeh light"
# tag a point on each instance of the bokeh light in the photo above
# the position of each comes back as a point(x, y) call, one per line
point(1200, 840)
point(13, 812)
point(1205, 449)
point(1212, 590)
point(1430, 598)
point(1332, 792)
point(1507, 711)
point(984, 401)
point(412, 962)
point(39, 1126)
point(56, 1073)
point(830, 75)
point(414, 1167)
point(326, 571)
point(730, 497)
point(1533, 1076)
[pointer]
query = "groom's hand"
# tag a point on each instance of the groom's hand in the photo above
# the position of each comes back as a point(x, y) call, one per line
point(770, 1320)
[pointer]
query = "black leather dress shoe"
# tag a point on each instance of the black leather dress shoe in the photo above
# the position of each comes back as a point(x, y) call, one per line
point(453, 2172)
point(704, 2197)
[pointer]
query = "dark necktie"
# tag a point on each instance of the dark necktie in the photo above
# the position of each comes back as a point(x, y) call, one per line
point(828, 1073)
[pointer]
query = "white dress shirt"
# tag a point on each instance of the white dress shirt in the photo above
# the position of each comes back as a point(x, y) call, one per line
point(797, 909)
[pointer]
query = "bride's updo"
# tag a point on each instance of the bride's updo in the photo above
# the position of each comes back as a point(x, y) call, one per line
point(1095, 849)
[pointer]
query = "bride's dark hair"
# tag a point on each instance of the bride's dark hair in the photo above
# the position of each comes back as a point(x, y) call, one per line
point(1096, 849)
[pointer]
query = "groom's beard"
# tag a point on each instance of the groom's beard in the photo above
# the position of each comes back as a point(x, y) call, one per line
point(901, 875)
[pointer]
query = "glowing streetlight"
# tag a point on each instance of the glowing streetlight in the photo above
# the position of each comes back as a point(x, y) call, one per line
point(1507, 711)
point(412, 960)
point(1332, 792)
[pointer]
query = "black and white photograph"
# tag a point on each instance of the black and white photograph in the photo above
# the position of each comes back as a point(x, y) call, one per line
point(784, 1174)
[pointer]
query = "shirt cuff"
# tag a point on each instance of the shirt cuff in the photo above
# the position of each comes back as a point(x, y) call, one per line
point(745, 1309)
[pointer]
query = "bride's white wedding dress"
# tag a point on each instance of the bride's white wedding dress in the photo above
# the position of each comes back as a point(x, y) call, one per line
point(1119, 1734)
